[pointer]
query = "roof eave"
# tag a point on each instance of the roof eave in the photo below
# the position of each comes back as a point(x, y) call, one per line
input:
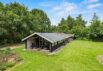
point(24, 39)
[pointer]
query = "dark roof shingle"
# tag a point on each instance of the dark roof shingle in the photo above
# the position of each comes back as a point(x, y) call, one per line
point(52, 37)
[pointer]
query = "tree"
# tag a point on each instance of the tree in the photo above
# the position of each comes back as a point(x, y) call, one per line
point(1, 7)
point(70, 22)
point(101, 28)
point(80, 32)
point(94, 33)
point(41, 20)
point(62, 27)
point(79, 21)
point(17, 8)
point(54, 28)
point(16, 22)
point(79, 29)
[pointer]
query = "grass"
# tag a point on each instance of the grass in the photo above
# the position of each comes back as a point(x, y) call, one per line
point(77, 55)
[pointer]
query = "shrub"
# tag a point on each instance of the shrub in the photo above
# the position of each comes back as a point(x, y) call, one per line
point(8, 58)
point(3, 66)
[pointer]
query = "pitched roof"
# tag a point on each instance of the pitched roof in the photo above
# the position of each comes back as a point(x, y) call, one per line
point(51, 37)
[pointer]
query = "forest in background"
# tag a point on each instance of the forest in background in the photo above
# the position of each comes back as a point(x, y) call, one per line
point(17, 22)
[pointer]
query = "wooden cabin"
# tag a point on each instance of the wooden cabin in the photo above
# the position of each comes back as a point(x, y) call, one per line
point(49, 41)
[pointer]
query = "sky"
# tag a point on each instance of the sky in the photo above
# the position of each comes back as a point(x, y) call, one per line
point(57, 9)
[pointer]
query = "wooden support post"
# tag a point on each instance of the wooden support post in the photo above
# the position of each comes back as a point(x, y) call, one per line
point(57, 42)
point(39, 42)
point(26, 44)
point(50, 47)
point(42, 42)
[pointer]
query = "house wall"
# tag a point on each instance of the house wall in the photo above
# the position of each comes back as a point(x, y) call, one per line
point(42, 43)
point(29, 43)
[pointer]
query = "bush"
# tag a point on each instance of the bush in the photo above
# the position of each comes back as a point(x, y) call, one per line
point(18, 59)
point(10, 64)
point(8, 58)
point(80, 33)
point(3, 66)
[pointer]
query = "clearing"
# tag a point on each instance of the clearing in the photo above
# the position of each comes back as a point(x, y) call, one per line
point(78, 55)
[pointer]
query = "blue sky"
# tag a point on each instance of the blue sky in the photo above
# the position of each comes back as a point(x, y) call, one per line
point(57, 9)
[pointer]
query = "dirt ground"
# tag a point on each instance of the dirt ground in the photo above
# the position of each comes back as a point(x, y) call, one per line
point(12, 46)
point(100, 59)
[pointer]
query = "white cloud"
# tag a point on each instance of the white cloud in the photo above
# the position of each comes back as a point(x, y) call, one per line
point(91, 6)
point(58, 11)
point(64, 8)
point(57, 8)
point(70, 6)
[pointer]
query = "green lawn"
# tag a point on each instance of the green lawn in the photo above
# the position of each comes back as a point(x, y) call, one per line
point(77, 55)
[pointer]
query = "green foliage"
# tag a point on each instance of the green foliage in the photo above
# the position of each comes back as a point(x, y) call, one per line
point(95, 28)
point(74, 26)
point(3, 67)
point(8, 58)
point(41, 20)
point(54, 28)
point(70, 22)
point(16, 22)
point(79, 29)
point(79, 21)
point(80, 32)
point(101, 28)
point(4, 53)
point(63, 27)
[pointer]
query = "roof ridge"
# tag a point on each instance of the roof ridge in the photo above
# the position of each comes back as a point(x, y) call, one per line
point(51, 37)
